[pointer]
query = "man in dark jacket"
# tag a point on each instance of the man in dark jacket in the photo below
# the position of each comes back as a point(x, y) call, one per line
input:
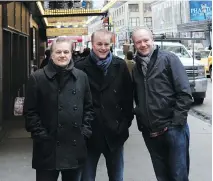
point(46, 60)
point(163, 99)
point(112, 93)
point(58, 111)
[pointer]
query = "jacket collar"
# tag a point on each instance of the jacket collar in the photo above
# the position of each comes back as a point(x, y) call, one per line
point(50, 71)
point(89, 63)
point(153, 60)
point(91, 69)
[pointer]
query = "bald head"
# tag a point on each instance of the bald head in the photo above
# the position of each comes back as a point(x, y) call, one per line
point(99, 33)
point(141, 31)
point(143, 41)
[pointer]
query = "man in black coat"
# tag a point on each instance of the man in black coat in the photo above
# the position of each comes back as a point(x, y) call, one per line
point(112, 94)
point(58, 111)
point(46, 60)
point(163, 99)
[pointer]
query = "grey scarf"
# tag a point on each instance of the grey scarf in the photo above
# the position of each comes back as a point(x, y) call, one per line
point(144, 60)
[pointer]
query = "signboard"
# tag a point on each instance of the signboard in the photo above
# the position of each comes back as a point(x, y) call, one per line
point(66, 32)
point(67, 19)
point(200, 10)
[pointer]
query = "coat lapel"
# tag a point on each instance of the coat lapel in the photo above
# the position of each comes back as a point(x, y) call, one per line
point(111, 73)
point(93, 74)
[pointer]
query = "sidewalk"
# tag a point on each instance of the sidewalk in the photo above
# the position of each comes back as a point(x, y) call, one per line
point(15, 156)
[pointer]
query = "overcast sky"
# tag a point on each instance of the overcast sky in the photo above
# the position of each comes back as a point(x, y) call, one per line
point(98, 4)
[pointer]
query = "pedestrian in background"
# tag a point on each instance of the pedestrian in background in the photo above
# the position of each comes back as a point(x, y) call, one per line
point(163, 99)
point(76, 56)
point(112, 94)
point(58, 111)
point(46, 60)
point(129, 61)
point(85, 53)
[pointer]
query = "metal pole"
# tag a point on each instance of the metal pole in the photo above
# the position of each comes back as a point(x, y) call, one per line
point(193, 49)
point(128, 27)
point(209, 29)
point(114, 37)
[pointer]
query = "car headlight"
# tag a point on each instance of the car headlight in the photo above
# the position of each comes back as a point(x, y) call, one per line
point(201, 72)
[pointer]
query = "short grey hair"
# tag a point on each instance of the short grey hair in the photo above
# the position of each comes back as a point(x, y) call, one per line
point(60, 39)
point(101, 31)
point(142, 28)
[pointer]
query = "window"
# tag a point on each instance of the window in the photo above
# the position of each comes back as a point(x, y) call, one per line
point(134, 21)
point(148, 21)
point(147, 7)
point(133, 7)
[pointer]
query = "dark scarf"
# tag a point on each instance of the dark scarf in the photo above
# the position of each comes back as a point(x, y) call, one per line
point(62, 73)
point(60, 69)
point(144, 60)
point(103, 64)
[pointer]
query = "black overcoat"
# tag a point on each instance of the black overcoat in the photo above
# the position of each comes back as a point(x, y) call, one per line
point(112, 100)
point(58, 118)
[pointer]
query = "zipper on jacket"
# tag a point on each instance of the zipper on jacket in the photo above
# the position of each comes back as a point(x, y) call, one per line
point(147, 110)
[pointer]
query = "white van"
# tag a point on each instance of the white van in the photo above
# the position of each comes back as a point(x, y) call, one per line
point(194, 69)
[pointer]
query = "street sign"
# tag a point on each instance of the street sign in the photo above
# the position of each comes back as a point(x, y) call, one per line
point(200, 10)
point(84, 4)
point(51, 32)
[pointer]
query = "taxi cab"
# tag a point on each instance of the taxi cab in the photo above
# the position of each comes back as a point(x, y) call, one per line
point(210, 64)
point(204, 58)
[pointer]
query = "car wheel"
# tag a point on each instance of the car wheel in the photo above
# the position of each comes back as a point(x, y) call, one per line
point(210, 72)
point(199, 100)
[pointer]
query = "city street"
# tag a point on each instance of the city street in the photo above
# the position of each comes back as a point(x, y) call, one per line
point(15, 155)
point(16, 150)
point(62, 35)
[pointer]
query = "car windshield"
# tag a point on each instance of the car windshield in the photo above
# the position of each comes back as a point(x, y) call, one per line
point(180, 51)
point(204, 54)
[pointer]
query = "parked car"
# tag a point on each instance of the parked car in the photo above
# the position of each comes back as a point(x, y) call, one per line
point(194, 69)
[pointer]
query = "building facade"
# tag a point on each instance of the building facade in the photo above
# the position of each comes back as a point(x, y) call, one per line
point(173, 17)
point(128, 16)
point(20, 47)
point(123, 18)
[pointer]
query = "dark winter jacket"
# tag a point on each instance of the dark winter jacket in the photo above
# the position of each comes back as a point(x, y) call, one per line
point(113, 102)
point(163, 96)
point(58, 117)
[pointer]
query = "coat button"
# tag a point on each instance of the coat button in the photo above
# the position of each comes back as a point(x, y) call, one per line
point(60, 125)
point(59, 91)
point(75, 108)
point(75, 124)
point(115, 91)
point(117, 122)
point(74, 142)
point(60, 108)
point(73, 91)
point(58, 143)
point(102, 106)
